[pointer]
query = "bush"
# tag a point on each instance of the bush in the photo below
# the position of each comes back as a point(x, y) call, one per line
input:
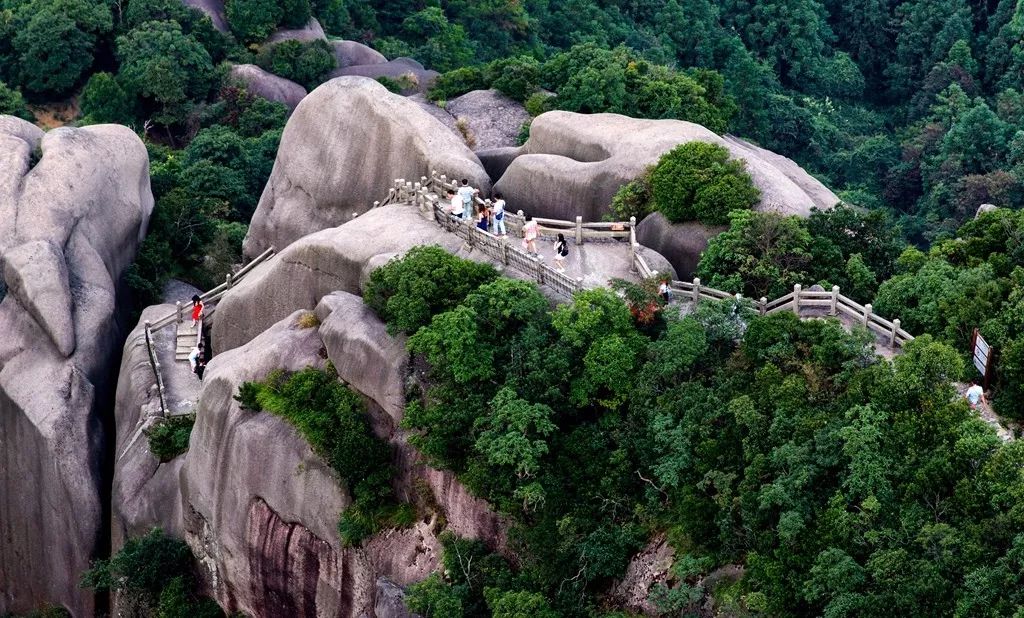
point(538, 103)
point(12, 103)
point(169, 438)
point(104, 100)
point(698, 181)
point(252, 20)
point(155, 572)
point(305, 63)
point(454, 83)
point(407, 292)
point(633, 199)
point(517, 78)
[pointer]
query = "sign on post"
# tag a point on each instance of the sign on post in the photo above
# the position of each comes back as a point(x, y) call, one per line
point(981, 353)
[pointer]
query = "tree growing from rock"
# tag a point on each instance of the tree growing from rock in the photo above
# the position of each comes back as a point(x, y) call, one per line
point(698, 181)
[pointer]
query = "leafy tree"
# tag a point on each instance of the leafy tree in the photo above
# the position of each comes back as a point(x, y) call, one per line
point(927, 31)
point(104, 100)
point(407, 292)
point(437, 42)
point(518, 604)
point(12, 103)
point(166, 68)
point(307, 63)
point(295, 13)
point(698, 181)
point(253, 20)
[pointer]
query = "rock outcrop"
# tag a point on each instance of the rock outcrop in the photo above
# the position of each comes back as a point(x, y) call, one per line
point(351, 53)
point(492, 118)
point(312, 31)
point(69, 227)
point(574, 163)
point(214, 9)
point(420, 78)
point(681, 243)
point(341, 150)
point(267, 85)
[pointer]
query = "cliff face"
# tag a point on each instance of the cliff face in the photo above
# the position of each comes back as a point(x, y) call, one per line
point(69, 226)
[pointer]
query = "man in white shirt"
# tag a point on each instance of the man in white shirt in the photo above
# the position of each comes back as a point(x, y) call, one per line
point(975, 395)
point(193, 356)
point(456, 208)
point(467, 192)
point(498, 210)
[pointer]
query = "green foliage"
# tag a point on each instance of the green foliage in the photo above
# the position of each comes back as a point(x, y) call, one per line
point(698, 181)
point(104, 100)
point(406, 293)
point(12, 103)
point(433, 598)
point(253, 20)
point(169, 438)
point(634, 199)
point(307, 63)
point(153, 572)
point(518, 78)
point(166, 69)
point(456, 82)
point(333, 420)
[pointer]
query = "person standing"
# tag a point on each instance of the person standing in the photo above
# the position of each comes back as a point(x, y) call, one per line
point(195, 357)
point(663, 291)
point(498, 209)
point(530, 232)
point(197, 309)
point(456, 209)
point(561, 251)
point(467, 192)
point(975, 395)
point(483, 217)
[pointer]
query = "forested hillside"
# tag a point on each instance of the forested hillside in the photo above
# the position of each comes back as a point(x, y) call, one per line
point(789, 470)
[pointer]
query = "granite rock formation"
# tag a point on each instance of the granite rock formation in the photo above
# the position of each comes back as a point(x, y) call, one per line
point(680, 243)
point(374, 137)
point(492, 118)
point(312, 31)
point(267, 85)
point(69, 226)
point(352, 53)
point(574, 163)
point(420, 77)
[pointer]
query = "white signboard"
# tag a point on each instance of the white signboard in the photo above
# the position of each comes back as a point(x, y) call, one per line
point(981, 353)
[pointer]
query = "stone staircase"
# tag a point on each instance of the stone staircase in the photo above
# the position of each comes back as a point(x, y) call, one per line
point(186, 339)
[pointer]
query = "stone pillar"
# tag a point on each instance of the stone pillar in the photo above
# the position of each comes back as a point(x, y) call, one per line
point(796, 299)
point(835, 300)
point(579, 230)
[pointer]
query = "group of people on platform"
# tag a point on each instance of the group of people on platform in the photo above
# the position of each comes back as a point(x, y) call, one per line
point(490, 217)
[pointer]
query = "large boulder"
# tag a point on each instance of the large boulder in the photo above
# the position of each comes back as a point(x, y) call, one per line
point(493, 119)
point(574, 163)
point(421, 78)
point(352, 53)
point(341, 150)
point(312, 31)
point(214, 9)
point(267, 85)
point(69, 226)
point(681, 244)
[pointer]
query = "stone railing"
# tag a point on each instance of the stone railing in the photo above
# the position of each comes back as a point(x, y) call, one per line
point(422, 195)
point(833, 303)
point(178, 316)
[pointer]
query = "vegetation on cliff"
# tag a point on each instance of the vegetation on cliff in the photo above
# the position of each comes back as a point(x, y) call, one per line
point(784, 445)
point(333, 419)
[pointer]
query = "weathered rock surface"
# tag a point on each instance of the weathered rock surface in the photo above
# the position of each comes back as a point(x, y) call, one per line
point(214, 9)
point(69, 227)
point(391, 601)
point(267, 85)
point(353, 53)
point(421, 77)
point(494, 119)
point(681, 243)
point(497, 160)
point(574, 163)
point(341, 150)
point(646, 569)
point(437, 112)
point(310, 32)
point(365, 356)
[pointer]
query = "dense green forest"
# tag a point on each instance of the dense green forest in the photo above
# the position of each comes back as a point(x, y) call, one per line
point(846, 486)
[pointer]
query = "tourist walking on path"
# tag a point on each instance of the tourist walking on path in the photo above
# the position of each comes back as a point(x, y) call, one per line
point(467, 192)
point(530, 233)
point(561, 251)
point(498, 210)
point(195, 357)
point(663, 291)
point(197, 309)
point(975, 395)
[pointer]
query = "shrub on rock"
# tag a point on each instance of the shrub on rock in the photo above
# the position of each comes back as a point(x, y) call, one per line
point(698, 181)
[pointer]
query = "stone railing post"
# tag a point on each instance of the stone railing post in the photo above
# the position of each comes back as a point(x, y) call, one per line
point(696, 290)
point(579, 284)
point(762, 305)
point(409, 190)
point(540, 270)
point(179, 312)
point(504, 250)
point(579, 230)
point(796, 298)
point(892, 334)
point(835, 300)
point(867, 314)
point(229, 280)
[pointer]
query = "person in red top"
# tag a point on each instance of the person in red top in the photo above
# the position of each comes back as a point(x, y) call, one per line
point(197, 309)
